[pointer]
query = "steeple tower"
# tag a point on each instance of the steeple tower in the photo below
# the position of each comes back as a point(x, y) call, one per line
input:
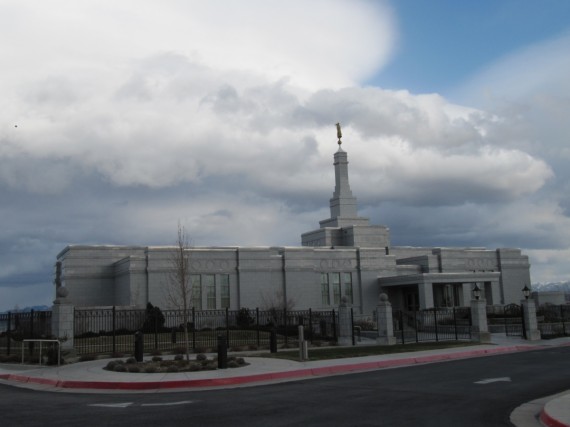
point(345, 227)
point(343, 203)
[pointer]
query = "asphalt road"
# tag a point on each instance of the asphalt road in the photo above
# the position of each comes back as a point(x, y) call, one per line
point(474, 392)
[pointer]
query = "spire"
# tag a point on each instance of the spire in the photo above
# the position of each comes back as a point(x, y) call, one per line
point(343, 204)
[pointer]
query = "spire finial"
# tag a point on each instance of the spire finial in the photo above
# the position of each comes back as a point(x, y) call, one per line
point(338, 134)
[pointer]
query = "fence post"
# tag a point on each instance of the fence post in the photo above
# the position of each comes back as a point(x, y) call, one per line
point(530, 325)
point(257, 326)
point(155, 330)
point(335, 337)
point(479, 330)
point(523, 323)
point(561, 317)
point(193, 328)
point(227, 327)
point(352, 325)
point(435, 323)
point(286, 327)
point(416, 329)
point(114, 330)
point(384, 321)
point(455, 323)
point(310, 326)
point(402, 326)
point(9, 334)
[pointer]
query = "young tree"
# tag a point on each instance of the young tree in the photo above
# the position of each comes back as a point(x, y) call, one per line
point(178, 290)
point(275, 303)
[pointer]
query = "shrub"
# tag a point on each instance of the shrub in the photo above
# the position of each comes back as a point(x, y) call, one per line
point(150, 369)
point(131, 360)
point(154, 319)
point(195, 367)
point(244, 319)
point(134, 368)
point(172, 368)
point(240, 361)
point(179, 357)
point(201, 357)
point(233, 364)
point(120, 368)
point(156, 359)
point(111, 365)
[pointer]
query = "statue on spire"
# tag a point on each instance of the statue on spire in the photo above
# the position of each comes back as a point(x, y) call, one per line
point(338, 134)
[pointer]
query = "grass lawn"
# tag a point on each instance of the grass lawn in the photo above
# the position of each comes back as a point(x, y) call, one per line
point(359, 351)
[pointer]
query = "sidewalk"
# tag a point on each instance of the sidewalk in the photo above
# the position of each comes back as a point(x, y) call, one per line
point(90, 377)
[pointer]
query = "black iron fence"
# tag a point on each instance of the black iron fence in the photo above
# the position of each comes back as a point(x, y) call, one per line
point(111, 330)
point(553, 320)
point(18, 326)
point(513, 318)
point(434, 324)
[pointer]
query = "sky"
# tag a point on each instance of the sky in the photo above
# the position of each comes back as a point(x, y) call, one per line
point(121, 119)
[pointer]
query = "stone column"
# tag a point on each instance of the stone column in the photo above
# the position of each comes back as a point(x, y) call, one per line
point(344, 323)
point(479, 328)
point(62, 324)
point(530, 323)
point(384, 321)
point(425, 292)
point(62, 317)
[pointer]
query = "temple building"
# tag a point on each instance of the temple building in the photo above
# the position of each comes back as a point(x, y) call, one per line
point(345, 256)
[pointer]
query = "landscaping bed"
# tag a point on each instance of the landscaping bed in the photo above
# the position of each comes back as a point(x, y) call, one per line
point(178, 364)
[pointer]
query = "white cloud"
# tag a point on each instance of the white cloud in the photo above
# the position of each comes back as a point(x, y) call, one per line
point(134, 115)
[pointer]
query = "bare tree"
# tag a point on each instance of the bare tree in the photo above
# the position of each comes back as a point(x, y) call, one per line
point(178, 290)
point(275, 303)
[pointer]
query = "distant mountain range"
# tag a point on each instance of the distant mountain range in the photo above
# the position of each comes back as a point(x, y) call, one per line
point(28, 309)
point(552, 286)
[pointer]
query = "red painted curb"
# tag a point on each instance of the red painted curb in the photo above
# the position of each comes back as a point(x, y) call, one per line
point(300, 373)
point(549, 421)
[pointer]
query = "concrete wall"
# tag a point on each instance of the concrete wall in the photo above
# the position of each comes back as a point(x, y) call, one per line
point(515, 274)
point(88, 272)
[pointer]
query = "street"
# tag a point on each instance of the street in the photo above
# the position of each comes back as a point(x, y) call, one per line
point(473, 392)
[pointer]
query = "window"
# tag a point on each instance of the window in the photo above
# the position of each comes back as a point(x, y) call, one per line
point(210, 286)
point(325, 298)
point(347, 283)
point(336, 288)
point(225, 290)
point(196, 291)
point(448, 294)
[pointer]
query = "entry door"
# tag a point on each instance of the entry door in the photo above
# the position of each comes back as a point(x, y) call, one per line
point(411, 300)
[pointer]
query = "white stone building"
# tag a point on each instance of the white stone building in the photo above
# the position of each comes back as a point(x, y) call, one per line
point(346, 256)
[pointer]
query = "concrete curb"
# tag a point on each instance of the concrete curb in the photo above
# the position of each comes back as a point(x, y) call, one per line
point(556, 413)
point(264, 377)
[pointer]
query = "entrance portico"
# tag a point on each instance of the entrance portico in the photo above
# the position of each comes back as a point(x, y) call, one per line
point(428, 290)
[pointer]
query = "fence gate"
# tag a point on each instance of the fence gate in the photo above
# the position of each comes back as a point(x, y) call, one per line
point(514, 321)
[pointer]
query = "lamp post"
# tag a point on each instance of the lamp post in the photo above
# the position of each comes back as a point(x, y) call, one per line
point(477, 292)
point(526, 291)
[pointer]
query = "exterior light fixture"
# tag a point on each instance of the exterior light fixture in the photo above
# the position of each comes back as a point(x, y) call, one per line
point(477, 292)
point(526, 291)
